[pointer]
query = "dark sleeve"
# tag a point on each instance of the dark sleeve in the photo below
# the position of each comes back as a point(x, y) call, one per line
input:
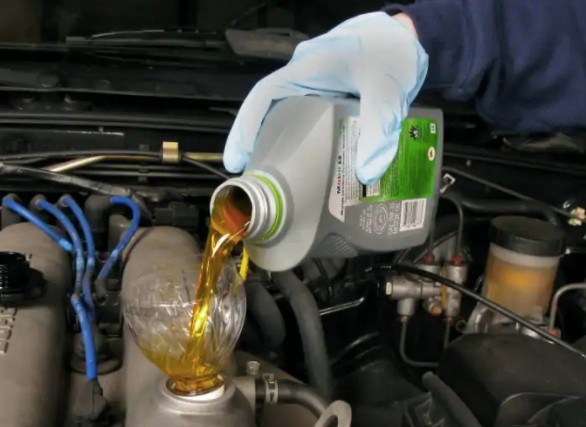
point(522, 61)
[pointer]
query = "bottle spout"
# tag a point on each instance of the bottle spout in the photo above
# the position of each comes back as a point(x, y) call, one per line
point(259, 196)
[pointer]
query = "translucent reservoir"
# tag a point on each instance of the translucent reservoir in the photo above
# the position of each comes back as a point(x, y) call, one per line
point(522, 264)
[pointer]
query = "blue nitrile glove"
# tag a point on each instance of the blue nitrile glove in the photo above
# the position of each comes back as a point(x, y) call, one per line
point(371, 56)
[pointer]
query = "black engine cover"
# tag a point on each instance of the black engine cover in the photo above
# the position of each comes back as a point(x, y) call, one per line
point(507, 379)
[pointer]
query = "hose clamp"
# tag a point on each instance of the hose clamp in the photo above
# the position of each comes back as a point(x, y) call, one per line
point(271, 389)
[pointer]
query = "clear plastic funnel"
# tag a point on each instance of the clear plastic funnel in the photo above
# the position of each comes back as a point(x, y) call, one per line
point(159, 309)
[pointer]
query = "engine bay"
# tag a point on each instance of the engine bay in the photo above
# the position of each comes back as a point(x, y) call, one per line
point(127, 157)
point(405, 338)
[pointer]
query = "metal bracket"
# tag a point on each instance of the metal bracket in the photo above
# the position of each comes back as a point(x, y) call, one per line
point(170, 153)
point(447, 181)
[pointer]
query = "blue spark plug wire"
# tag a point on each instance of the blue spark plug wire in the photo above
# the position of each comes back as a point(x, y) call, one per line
point(69, 227)
point(82, 315)
point(87, 335)
point(86, 283)
point(17, 208)
point(126, 237)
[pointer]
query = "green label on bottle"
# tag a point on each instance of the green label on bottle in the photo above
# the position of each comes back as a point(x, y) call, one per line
point(401, 195)
point(412, 173)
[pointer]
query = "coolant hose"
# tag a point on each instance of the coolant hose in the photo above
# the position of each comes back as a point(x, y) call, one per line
point(124, 240)
point(310, 330)
point(265, 312)
point(16, 207)
point(449, 400)
point(279, 391)
point(86, 282)
point(300, 394)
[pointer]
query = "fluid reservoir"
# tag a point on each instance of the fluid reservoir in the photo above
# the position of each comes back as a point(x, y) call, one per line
point(522, 264)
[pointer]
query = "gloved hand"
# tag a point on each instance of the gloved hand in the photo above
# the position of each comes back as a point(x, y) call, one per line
point(371, 56)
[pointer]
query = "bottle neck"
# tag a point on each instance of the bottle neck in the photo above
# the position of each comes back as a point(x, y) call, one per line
point(266, 201)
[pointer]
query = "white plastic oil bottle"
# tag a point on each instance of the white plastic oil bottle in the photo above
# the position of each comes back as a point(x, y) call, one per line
point(303, 194)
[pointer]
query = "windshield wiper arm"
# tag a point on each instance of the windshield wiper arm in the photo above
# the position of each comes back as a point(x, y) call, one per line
point(154, 37)
point(267, 43)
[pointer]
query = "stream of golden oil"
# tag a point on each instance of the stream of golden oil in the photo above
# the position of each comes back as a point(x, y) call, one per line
point(197, 371)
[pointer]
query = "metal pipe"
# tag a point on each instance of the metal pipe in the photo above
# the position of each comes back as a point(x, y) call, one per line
point(452, 197)
point(204, 157)
point(81, 162)
point(402, 350)
point(88, 161)
point(343, 306)
point(556, 298)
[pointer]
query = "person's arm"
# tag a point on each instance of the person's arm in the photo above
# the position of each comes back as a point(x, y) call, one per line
point(524, 62)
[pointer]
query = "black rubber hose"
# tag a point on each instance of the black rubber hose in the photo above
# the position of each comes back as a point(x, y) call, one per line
point(449, 400)
point(96, 209)
point(310, 330)
point(498, 207)
point(265, 313)
point(301, 394)
point(503, 189)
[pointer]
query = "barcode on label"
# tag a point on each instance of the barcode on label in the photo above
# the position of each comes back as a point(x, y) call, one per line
point(412, 214)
